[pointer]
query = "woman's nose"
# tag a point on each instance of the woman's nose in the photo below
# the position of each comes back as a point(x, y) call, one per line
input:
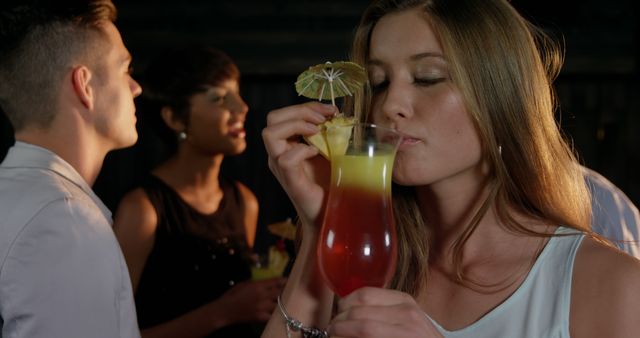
point(239, 106)
point(395, 102)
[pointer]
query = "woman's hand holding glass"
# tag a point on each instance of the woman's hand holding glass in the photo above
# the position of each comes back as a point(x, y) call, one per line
point(302, 174)
point(376, 313)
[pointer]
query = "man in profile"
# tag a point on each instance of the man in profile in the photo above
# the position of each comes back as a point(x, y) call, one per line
point(65, 86)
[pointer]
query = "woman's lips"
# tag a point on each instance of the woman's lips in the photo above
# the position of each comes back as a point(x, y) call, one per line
point(237, 130)
point(408, 141)
point(240, 133)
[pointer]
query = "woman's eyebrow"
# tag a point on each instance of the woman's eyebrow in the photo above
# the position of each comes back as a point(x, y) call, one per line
point(419, 56)
point(426, 55)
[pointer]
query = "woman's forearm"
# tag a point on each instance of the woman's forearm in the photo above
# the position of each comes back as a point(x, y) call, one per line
point(306, 296)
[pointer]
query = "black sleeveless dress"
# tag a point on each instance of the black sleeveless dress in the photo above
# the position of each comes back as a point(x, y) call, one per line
point(195, 257)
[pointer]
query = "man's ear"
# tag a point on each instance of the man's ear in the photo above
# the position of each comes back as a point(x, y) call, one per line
point(169, 118)
point(80, 78)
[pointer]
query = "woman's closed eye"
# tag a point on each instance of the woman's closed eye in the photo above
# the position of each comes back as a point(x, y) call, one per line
point(430, 81)
point(422, 82)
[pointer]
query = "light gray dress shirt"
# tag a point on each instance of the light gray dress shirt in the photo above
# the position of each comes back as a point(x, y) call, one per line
point(62, 273)
point(614, 216)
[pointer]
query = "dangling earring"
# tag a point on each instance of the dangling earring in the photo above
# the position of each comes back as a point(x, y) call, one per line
point(182, 136)
point(500, 150)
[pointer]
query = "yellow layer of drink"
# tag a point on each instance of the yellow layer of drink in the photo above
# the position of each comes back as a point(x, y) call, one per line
point(363, 171)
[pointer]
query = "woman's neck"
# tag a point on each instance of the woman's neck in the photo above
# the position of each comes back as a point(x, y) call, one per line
point(449, 216)
point(187, 171)
point(449, 205)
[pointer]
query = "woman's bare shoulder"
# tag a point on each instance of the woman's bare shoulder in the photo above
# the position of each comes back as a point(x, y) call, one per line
point(605, 293)
point(595, 258)
point(248, 196)
point(135, 210)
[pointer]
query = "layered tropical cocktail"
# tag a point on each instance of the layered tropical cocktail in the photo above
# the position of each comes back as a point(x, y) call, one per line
point(357, 245)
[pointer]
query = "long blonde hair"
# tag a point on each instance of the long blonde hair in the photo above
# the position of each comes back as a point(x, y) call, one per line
point(504, 68)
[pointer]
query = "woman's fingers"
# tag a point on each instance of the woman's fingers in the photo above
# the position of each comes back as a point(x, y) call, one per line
point(313, 112)
point(378, 304)
point(288, 167)
point(279, 137)
point(394, 314)
point(284, 126)
point(376, 312)
point(291, 160)
point(371, 329)
point(374, 296)
point(294, 156)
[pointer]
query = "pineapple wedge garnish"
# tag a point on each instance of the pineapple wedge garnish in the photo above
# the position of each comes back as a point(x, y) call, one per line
point(331, 80)
point(286, 229)
point(334, 135)
point(277, 261)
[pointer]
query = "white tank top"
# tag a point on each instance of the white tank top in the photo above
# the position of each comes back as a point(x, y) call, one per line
point(539, 308)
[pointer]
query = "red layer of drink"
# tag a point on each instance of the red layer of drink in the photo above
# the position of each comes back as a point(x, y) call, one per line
point(357, 245)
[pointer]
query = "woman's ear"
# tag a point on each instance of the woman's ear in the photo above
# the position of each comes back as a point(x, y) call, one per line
point(80, 78)
point(170, 119)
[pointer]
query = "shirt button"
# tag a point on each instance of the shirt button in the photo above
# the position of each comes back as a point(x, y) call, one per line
point(231, 283)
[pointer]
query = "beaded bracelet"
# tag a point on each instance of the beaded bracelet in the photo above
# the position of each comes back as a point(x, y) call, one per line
point(294, 325)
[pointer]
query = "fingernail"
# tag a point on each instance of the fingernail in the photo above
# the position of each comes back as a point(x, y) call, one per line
point(320, 118)
point(329, 107)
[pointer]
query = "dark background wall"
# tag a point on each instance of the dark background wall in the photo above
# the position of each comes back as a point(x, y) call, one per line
point(273, 41)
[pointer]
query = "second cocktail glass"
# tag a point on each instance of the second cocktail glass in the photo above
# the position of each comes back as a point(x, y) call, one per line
point(357, 245)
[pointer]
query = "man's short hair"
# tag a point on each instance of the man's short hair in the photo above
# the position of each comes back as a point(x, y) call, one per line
point(39, 42)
